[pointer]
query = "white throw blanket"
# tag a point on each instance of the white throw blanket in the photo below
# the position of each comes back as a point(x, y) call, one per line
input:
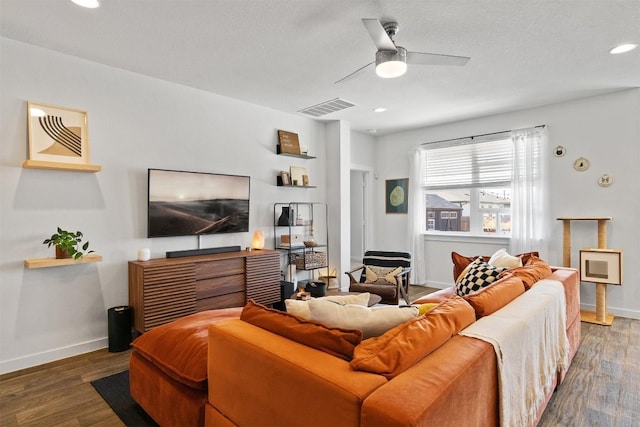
point(530, 339)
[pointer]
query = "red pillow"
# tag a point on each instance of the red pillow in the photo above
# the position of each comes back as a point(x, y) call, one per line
point(534, 270)
point(338, 342)
point(495, 296)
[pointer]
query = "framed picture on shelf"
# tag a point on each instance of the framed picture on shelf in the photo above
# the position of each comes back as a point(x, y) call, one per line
point(289, 142)
point(296, 175)
point(285, 177)
point(57, 134)
point(305, 180)
point(396, 195)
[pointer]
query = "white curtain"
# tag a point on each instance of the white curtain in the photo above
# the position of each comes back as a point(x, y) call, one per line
point(416, 218)
point(529, 204)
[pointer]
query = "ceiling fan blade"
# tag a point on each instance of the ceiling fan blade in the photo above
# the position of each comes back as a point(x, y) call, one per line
point(380, 37)
point(421, 58)
point(347, 77)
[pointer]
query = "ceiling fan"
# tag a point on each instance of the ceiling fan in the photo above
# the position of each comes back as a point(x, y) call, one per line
point(391, 60)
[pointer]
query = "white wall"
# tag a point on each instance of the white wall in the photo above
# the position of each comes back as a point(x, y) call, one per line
point(605, 129)
point(135, 122)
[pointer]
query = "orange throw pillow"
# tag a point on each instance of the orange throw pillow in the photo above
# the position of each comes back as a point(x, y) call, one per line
point(338, 342)
point(495, 296)
point(403, 346)
point(532, 271)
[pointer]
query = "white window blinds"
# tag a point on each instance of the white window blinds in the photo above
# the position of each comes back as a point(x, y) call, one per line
point(469, 164)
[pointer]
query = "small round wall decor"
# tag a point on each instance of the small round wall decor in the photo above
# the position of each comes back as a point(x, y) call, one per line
point(605, 180)
point(559, 151)
point(581, 164)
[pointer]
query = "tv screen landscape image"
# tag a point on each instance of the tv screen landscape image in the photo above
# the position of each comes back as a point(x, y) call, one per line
point(194, 203)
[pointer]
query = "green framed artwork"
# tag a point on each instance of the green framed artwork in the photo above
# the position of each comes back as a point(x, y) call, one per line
point(397, 195)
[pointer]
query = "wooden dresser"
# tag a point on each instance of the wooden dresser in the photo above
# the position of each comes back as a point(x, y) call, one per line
point(165, 289)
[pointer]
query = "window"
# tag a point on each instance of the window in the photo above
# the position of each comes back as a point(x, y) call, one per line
point(468, 182)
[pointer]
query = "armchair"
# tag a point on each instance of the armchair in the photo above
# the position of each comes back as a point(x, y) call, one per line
point(383, 273)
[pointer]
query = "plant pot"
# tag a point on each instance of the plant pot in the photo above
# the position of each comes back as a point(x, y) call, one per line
point(62, 254)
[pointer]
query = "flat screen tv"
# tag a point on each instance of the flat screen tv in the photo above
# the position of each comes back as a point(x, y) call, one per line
point(195, 203)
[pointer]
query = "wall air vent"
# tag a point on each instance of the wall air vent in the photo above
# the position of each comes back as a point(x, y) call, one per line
point(327, 107)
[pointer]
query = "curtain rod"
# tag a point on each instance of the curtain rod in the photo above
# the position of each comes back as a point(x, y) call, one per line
point(477, 136)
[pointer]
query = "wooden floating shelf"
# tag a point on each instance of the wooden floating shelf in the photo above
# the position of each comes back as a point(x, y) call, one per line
point(53, 262)
point(38, 164)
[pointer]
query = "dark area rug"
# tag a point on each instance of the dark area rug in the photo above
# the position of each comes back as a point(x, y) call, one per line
point(115, 391)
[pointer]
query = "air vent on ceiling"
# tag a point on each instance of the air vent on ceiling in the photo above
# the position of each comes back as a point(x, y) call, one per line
point(327, 107)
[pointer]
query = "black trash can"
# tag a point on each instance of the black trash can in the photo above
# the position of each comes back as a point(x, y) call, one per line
point(119, 325)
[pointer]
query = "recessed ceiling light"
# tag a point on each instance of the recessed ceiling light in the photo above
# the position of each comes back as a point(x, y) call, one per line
point(90, 4)
point(623, 48)
point(379, 110)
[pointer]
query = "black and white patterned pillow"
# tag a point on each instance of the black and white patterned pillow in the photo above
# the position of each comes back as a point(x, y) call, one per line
point(476, 276)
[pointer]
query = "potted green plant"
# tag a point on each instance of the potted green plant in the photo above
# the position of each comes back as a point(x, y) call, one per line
point(67, 244)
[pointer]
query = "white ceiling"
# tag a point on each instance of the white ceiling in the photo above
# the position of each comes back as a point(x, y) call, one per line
point(286, 54)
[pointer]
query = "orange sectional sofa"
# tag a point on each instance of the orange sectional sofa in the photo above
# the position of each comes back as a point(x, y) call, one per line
point(254, 366)
point(259, 377)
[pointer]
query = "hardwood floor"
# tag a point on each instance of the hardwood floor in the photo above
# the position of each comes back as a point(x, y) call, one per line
point(60, 393)
point(602, 387)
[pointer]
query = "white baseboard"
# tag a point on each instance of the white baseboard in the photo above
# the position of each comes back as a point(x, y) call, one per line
point(620, 312)
point(36, 359)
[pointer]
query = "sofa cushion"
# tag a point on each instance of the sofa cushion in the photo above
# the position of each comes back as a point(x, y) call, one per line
point(437, 296)
point(403, 346)
point(460, 262)
point(179, 348)
point(495, 296)
point(338, 342)
point(371, 321)
point(301, 308)
point(476, 276)
point(532, 271)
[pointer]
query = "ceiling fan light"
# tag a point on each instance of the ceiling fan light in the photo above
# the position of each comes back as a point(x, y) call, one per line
point(390, 64)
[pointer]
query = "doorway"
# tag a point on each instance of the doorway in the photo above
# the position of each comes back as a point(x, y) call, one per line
point(359, 215)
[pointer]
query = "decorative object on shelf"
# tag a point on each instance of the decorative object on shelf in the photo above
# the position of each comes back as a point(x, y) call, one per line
point(66, 244)
point(144, 254)
point(309, 240)
point(289, 142)
point(305, 180)
point(559, 151)
point(304, 150)
point(601, 266)
point(285, 178)
point(285, 216)
point(58, 138)
point(605, 180)
point(296, 175)
point(396, 191)
point(581, 164)
point(258, 240)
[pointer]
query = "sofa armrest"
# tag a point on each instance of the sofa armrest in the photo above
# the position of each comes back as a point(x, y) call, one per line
point(456, 385)
point(257, 377)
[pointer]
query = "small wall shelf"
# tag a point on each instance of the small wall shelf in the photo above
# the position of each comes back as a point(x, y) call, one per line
point(37, 164)
point(53, 262)
point(300, 156)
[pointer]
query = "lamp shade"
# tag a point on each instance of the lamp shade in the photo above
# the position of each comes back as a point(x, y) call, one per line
point(258, 240)
point(390, 64)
